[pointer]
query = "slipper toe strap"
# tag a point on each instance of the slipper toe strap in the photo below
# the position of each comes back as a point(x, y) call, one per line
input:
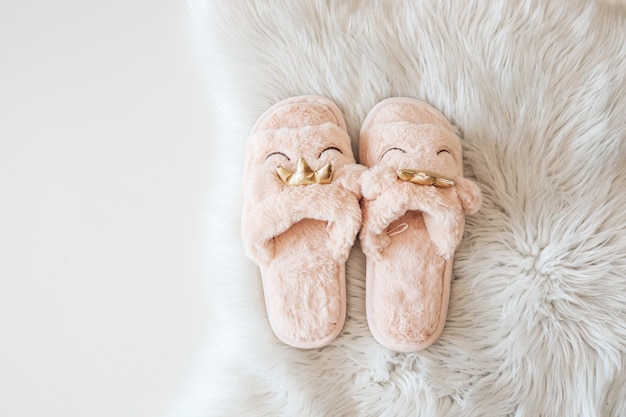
point(266, 219)
point(442, 211)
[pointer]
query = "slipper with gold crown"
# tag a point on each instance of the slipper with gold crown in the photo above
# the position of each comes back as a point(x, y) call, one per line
point(301, 215)
point(415, 199)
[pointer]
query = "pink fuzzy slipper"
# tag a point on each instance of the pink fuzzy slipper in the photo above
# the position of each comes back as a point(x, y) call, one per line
point(301, 215)
point(414, 204)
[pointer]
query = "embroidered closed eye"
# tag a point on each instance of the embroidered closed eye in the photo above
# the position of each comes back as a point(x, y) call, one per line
point(444, 150)
point(277, 153)
point(391, 149)
point(330, 148)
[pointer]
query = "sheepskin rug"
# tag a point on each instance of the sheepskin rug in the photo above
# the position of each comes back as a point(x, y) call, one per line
point(537, 316)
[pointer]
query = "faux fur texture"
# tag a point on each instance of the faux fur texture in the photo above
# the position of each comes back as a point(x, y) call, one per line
point(301, 235)
point(410, 231)
point(537, 317)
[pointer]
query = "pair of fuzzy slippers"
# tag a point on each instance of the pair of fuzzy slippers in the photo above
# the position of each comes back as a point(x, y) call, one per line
point(305, 200)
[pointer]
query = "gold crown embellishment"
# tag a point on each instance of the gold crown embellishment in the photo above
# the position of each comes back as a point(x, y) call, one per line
point(425, 178)
point(304, 175)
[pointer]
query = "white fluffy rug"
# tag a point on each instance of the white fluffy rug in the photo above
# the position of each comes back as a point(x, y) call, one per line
point(537, 318)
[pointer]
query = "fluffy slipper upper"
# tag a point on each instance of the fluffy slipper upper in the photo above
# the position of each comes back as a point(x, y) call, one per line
point(301, 215)
point(414, 204)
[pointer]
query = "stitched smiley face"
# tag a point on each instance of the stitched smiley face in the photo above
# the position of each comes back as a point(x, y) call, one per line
point(313, 163)
point(285, 153)
point(426, 147)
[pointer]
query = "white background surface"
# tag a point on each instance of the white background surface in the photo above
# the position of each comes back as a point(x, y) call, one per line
point(104, 142)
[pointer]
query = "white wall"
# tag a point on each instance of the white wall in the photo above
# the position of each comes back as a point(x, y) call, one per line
point(104, 147)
